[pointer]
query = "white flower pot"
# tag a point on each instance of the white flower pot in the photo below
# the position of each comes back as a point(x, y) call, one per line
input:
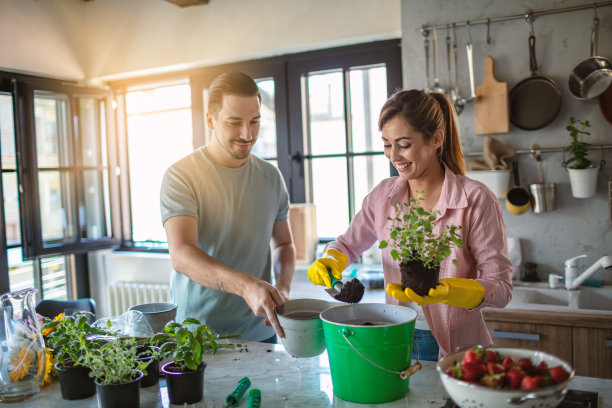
point(583, 182)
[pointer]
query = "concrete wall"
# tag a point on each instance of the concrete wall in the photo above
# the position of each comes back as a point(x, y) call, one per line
point(577, 226)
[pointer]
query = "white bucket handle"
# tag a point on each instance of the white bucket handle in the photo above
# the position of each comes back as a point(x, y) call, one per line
point(404, 374)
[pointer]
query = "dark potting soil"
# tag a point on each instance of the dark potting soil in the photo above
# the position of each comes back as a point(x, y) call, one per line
point(419, 278)
point(352, 291)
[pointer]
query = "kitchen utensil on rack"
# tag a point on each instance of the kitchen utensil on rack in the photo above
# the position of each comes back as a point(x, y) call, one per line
point(455, 97)
point(517, 199)
point(491, 112)
point(593, 76)
point(535, 101)
point(426, 47)
point(436, 85)
point(469, 52)
point(234, 398)
point(542, 193)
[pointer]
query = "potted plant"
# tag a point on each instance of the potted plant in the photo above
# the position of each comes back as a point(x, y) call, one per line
point(583, 175)
point(117, 372)
point(68, 336)
point(186, 344)
point(417, 247)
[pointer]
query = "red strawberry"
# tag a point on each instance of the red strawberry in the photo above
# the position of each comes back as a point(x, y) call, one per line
point(508, 362)
point(530, 383)
point(514, 377)
point(493, 356)
point(526, 365)
point(493, 381)
point(542, 368)
point(559, 374)
point(494, 368)
point(473, 355)
point(472, 372)
point(455, 371)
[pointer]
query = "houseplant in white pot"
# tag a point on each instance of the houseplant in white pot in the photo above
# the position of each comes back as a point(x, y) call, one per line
point(582, 173)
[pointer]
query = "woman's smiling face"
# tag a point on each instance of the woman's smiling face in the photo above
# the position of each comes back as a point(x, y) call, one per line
point(408, 150)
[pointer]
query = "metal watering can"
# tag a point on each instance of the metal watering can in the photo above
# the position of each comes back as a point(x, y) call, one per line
point(22, 348)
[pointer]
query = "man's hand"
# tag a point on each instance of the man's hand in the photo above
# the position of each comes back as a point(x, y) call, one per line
point(459, 292)
point(332, 259)
point(263, 298)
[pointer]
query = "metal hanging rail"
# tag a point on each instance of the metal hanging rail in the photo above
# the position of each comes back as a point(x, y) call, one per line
point(425, 28)
point(543, 150)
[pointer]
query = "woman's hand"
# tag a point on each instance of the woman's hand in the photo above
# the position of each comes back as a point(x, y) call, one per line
point(459, 292)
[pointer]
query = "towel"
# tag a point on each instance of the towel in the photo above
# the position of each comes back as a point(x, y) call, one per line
point(496, 156)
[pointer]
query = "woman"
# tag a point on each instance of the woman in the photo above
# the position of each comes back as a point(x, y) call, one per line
point(421, 139)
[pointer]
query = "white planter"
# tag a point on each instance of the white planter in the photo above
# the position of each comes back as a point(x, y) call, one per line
point(583, 182)
point(496, 180)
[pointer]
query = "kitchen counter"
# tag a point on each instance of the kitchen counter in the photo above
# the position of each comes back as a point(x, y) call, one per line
point(286, 381)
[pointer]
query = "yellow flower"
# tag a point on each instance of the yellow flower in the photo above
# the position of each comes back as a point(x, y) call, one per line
point(46, 331)
point(49, 369)
point(19, 365)
point(41, 363)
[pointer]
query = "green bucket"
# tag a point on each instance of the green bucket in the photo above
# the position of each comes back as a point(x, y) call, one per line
point(370, 349)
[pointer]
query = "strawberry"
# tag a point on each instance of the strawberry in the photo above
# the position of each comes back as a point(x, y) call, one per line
point(530, 382)
point(508, 362)
point(493, 381)
point(455, 371)
point(514, 377)
point(494, 368)
point(526, 365)
point(542, 368)
point(472, 372)
point(559, 374)
point(473, 355)
point(492, 356)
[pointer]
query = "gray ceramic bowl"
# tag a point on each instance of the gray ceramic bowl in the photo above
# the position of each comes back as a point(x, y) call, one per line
point(302, 326)
point(157, 314)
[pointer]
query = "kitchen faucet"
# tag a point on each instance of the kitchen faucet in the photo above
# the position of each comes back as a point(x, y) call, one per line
point(573, 280)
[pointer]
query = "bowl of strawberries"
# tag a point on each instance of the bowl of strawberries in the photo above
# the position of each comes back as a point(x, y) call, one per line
point(504, 377)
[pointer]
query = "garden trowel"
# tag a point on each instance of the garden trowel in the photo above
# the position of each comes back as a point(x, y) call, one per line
point(352, 292)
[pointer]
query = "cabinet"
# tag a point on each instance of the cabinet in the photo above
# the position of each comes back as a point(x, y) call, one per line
point(584, 341)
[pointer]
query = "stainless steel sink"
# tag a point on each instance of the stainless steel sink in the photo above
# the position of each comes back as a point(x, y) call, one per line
point(552, 297)
point(595, 298)
point(582, 300)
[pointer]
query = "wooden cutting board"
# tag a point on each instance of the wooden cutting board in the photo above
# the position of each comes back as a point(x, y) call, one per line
point(491, 109)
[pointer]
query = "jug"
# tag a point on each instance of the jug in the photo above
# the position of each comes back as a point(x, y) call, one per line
point(22, 348)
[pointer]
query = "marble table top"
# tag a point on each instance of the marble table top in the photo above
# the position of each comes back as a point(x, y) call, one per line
point(286, 381)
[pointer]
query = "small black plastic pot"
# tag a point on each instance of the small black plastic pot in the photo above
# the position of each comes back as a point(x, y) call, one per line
point(119, 395)
point(184, 387)
point(152, 376)
point(75, 382)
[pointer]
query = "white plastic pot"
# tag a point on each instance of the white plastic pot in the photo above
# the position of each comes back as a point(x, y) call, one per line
point(301, 323)
point(583, 182)
point(496, 180)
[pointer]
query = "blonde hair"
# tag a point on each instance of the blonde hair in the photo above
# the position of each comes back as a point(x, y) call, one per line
point(426, 113)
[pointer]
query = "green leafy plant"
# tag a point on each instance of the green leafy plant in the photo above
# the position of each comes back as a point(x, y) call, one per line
point(578, 150)
point(116, 362)
point(412, 237)
point(186, 343)
point(68, 336)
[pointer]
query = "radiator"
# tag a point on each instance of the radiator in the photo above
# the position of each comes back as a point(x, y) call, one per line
point(126, 294)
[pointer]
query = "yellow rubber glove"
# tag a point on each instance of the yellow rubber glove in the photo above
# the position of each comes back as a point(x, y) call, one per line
point(332, 259)
point(459, 292)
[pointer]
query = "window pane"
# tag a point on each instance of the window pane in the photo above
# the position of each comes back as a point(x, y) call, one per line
point(11, 208)
point(54, 284)
point(266, 142)
point(368, 94)
point(326, 113)
point(368, 172)
point(92, 132)
point(159, 133)
point(57, 218)
point(21, 273)
point(53, 141)
point(330, 195)
point(7, 132)
point(93, 205)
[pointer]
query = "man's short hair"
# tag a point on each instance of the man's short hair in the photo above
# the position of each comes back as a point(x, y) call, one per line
point(230, 83)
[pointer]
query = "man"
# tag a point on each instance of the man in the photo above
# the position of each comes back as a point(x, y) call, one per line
point(221, 208)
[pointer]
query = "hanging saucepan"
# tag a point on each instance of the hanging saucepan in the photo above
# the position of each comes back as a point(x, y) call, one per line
point(518, 198)
point(592, 76)
point(535, 101)
point(605, 104)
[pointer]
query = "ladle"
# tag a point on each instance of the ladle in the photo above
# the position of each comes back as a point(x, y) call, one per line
point(469, 51)
point(436, 85)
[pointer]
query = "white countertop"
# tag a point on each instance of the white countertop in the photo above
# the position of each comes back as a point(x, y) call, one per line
point(287, 381)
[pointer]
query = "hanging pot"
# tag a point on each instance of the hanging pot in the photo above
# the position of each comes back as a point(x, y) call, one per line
point(518, 199)
point(583, 182)
point(592, 76)
point(605, 104)
point(535, 101)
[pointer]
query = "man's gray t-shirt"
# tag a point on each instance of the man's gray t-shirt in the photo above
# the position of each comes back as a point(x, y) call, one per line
point(236, 209)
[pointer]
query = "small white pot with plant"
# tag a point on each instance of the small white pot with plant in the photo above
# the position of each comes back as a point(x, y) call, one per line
point(582, 173)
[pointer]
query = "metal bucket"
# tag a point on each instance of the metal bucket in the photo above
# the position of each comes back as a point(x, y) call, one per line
point(542, 197)
point(370, 349)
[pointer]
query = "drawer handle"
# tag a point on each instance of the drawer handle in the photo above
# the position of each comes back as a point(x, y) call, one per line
point(608, 342)
point(515, 335)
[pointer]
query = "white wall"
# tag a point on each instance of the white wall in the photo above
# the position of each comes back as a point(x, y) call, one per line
point(562, 40)
point(110, 39)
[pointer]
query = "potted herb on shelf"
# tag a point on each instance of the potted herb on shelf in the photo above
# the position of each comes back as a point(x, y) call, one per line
point(185, 344)
point(582, 173)
point(68, 336)
point(417, 247)
point(117, 371)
